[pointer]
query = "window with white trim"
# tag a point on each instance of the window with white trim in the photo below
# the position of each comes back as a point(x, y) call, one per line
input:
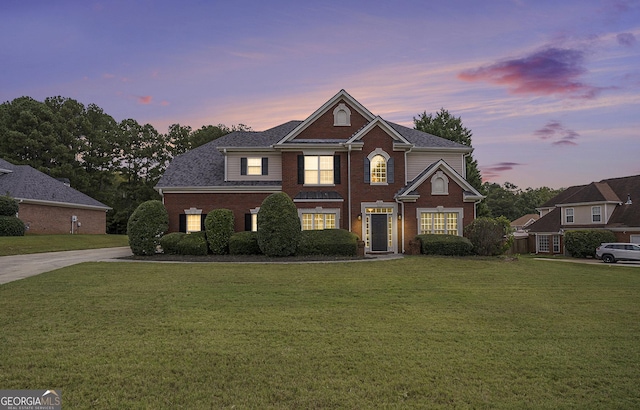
point(543, 243)
point(194, 223)
point(556, 244)
point(568, 215)
point(378, 169)
point(318, 170)
point(254, 166)
point(439, 223)
point(596, 214)
point(318, 221)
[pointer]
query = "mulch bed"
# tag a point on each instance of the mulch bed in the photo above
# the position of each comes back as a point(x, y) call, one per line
point(240, 258)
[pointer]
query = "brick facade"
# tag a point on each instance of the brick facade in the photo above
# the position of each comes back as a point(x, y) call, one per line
point(49, 219)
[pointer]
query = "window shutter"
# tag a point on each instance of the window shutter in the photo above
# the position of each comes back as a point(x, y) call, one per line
point(367, 171)
point(182, 223)
point(390, 172)
point(300, 169)
point(202, 218)
point(247, 222)
point(265, 166)
point(243, 166)
point(336, 169)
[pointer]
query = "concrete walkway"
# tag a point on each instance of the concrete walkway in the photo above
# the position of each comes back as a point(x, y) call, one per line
point(22, 266)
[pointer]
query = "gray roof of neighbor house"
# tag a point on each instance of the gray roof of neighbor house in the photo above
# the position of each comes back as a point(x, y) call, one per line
point(26, 183)
point(204, 165)
point(616, 190)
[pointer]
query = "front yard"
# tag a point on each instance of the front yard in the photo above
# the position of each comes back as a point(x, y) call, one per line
point(412, 333)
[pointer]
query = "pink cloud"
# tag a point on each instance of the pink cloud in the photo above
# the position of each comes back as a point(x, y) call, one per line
point(164, 103)
point(490, 172)
point(559, 133)
point(545, 72)
point(144, 100)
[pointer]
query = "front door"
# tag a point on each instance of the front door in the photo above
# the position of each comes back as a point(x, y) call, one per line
point(379, 232)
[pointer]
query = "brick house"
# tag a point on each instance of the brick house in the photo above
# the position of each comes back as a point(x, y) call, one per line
point(343, 167)
point(49, 206)
point(612, 204)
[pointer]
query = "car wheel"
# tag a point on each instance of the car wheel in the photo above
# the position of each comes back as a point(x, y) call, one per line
point(608, 259)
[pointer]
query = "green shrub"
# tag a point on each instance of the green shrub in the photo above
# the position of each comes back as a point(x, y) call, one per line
point(8, 206)
point(169, 242)
point(278, 226)
point(219, 226)
point(146, 226)
point(489, 236)
point(450, 245)
point(328, 242)
point(193, 244)
point(11, 226)
point(244, 243)
point(583, 243)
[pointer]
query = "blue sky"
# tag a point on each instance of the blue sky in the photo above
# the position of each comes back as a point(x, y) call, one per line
point(550, 89)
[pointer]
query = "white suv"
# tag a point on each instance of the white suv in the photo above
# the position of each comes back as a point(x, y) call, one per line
point(613, 252)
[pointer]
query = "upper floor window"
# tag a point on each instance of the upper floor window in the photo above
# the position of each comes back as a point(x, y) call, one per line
point(254, 166)
point(378, 169)
point(568, 215)
point(596, 214)
point(342, 116)
point(319, 169)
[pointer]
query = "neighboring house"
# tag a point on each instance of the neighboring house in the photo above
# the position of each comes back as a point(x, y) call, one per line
point(49, 206)
point(343, 167)
point(612, 204)
point(521, 224)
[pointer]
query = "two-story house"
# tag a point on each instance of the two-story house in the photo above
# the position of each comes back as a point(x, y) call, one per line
point(612, 204)
point(343, 167)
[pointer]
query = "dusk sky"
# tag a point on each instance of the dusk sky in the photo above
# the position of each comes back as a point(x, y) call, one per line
point(550, 89)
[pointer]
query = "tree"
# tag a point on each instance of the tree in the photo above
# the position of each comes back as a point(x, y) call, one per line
point(278, 226)
point(511, 202)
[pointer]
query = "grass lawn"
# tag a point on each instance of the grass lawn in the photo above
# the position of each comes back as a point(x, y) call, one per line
point(421, 332)
point(20, 245)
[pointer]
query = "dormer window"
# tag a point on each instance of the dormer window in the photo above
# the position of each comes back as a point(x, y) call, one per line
point(341, 116)
point(439, 184)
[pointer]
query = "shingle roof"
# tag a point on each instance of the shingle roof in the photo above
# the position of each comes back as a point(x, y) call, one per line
point(25, 182)
point(204, 166)
point(608, 190)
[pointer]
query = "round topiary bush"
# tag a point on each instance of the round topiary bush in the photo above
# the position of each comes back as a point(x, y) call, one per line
point(278, 226)
point(8, 206)
point(219, 226)
point(146, 226)
point(11, 226)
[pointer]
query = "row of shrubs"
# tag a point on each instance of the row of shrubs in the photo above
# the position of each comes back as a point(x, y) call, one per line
point(279, 233)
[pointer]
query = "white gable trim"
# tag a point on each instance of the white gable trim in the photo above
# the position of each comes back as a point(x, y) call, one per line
point(385, 127)
point(341, 95)
point(441, 165)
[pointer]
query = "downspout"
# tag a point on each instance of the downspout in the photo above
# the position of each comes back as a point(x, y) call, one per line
point(349, 184)
point(225, 164)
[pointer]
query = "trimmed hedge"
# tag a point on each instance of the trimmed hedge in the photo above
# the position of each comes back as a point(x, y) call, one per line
point(169, 242)
point(8, 206)
point(244, 243)
point(328, 242)
point(193, 244)
point(278, 226)
point(145, 227)
point(11, 226)
point(583, 243)
point(449, 245)
point(219, 226)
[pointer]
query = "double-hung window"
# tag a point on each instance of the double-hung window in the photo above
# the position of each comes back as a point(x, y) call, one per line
point(254, 166)
point(318, 170)
point(568, 215)
point(315, 221)
point(439, 223)
point(596, 214)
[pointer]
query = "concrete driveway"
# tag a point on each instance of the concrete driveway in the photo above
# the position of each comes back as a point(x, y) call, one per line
point(22, 266)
